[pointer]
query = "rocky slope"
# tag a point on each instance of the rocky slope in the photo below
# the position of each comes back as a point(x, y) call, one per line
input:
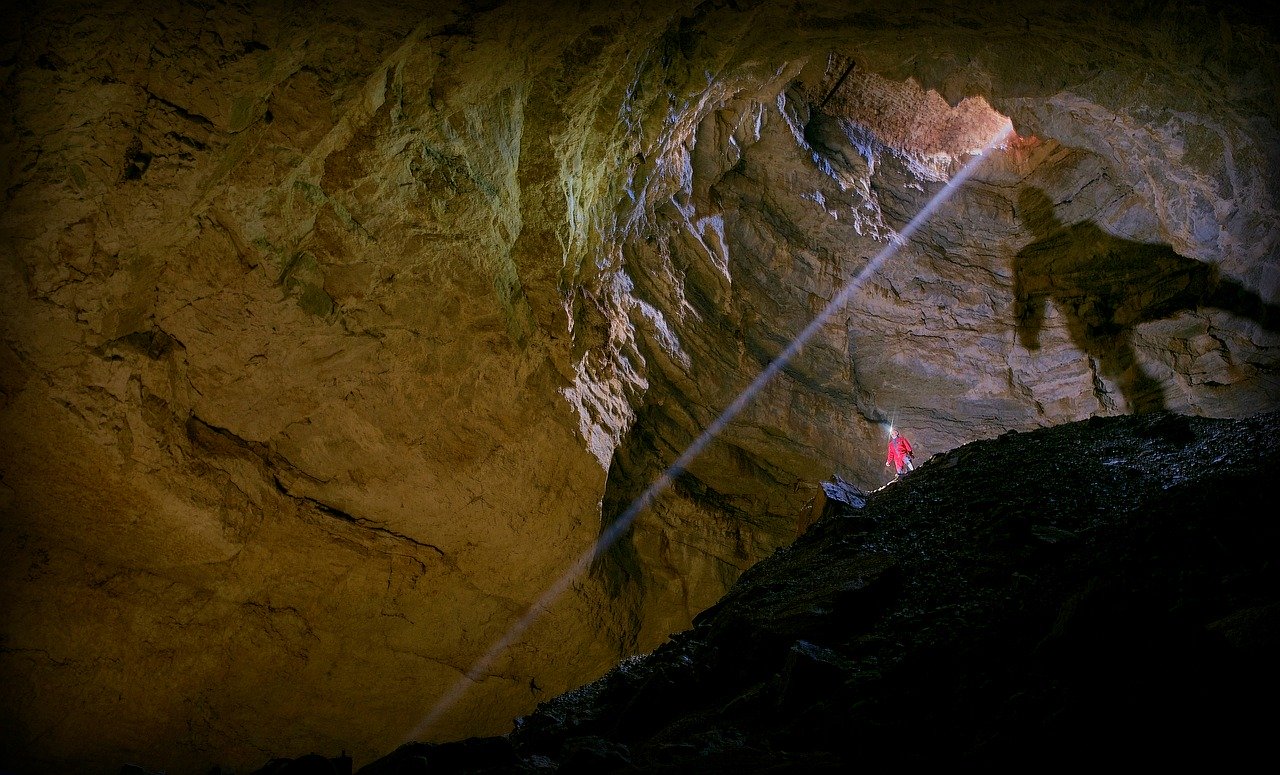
point(1103, 590)
point(332, 333)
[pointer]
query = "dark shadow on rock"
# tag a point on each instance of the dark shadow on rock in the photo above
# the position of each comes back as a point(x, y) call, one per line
point(1105, 286)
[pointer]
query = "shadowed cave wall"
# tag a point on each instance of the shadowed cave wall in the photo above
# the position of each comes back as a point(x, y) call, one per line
point(333, 334)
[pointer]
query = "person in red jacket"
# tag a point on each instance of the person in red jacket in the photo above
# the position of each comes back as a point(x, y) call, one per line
point(899, 453)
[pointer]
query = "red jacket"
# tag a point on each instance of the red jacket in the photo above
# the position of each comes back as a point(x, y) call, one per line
point(899, 448)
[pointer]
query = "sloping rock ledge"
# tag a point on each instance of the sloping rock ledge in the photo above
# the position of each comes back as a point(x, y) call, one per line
point(1103, 588)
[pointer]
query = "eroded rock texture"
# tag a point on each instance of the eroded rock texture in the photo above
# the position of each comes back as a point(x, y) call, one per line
point(333, 335)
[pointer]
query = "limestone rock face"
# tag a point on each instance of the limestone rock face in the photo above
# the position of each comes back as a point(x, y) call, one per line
point(334, 336)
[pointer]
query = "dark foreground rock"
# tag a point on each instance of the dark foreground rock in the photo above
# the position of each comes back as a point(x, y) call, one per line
point(1100, 592)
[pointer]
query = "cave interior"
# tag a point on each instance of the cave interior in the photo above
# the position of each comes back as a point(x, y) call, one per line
point(381, 373)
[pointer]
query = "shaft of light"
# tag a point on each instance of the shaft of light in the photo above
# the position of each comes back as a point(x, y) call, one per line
point(615, 531)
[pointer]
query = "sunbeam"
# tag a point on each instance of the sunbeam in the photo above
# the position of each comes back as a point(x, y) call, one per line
point(623, 522)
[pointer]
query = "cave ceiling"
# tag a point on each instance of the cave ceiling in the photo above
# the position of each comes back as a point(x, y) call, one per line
point(333, 335)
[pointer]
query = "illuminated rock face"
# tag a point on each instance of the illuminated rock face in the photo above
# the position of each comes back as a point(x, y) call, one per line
point(331, 339)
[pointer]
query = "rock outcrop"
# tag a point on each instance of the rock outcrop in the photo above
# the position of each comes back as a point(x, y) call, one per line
point(1102, 590)
point(331, 337)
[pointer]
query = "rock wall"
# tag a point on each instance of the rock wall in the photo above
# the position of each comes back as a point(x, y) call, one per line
point(333, 335)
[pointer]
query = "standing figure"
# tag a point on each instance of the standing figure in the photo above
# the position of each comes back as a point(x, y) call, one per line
point(899, 453)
